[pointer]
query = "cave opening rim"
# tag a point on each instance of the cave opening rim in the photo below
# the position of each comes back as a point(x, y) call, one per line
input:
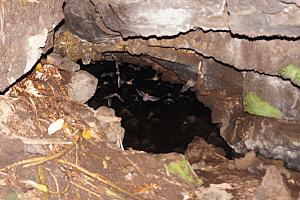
point(229, 152)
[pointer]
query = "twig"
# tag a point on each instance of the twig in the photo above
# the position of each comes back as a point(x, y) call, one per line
point(43, 180)
point(54, 156)
point(39, 160)
point(100, 179)
point(85, 189)
point(135, 166)
point(38, 141)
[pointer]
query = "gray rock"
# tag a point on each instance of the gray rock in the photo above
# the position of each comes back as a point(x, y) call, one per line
point(143, 18)
point(111, 126)
point(274, 90)
point(24, 29)
point(62, 63)
point(264, 17)
point(82, 86)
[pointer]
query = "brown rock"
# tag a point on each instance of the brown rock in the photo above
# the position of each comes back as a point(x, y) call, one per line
point(272, 186)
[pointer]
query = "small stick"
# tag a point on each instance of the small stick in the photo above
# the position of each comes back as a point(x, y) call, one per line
point(39, 160)
point(85, 189)
point(100, 179)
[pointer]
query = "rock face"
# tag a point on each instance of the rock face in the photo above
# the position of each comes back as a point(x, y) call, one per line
point(272, 186)
point(144, 18)
point(264, 18)
point(244, 53)
point(82, 86)
point(26, 31)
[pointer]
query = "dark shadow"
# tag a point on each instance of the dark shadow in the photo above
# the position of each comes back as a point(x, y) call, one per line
point(166, 125)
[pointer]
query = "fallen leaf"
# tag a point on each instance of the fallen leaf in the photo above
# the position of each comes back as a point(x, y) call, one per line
point(87, 134)
point(56, 126)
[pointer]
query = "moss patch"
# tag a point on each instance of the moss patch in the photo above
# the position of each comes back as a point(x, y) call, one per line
point(183, 170)
point(255, 105)
point(291, 72)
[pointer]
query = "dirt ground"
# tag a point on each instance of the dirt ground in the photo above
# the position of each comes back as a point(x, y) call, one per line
point(54, 148)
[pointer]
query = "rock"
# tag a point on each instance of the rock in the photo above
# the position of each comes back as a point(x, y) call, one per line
point(266, 66)
point(272, 186)
point(10, 150)
point(243, 54)
point(24, 31)
point(274, 90)
point(264, 18)
point(69, 65)
point(208, 152)
point(212, 193)
point(55, 59)
point(248, 161)
point(62, 63)
point(6, 109)
point(135, 18)
point(82, 86)
point(111, 125)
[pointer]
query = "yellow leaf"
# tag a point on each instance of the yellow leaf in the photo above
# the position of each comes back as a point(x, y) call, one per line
point(87, 134)
point(104, 163)
point(39, 67)
point(67, 129)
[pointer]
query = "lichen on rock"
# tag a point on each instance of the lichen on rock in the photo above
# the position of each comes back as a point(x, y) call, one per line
point(182, 169)
point(255, 105)
point(291, 72)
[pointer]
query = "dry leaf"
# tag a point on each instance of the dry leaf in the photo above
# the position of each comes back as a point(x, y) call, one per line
point(31, 89)
point(87, 134)
point(56, 126)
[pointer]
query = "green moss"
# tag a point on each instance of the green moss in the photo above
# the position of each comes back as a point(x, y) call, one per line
point(291, 72)
point(255, 105)
point(183, 170)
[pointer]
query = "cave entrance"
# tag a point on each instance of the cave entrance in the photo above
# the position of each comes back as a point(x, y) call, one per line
point(159, 117)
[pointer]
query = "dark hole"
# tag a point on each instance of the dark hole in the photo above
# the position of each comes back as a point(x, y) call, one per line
point(166, 125)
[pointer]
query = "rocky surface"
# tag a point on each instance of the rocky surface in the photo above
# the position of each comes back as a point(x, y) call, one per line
point(26, 31)
point(226, 91)
point(272, 186)
point(244, 55)
point(82, 86)
point(264, 18)
point(143, 18)
point(255, 58)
